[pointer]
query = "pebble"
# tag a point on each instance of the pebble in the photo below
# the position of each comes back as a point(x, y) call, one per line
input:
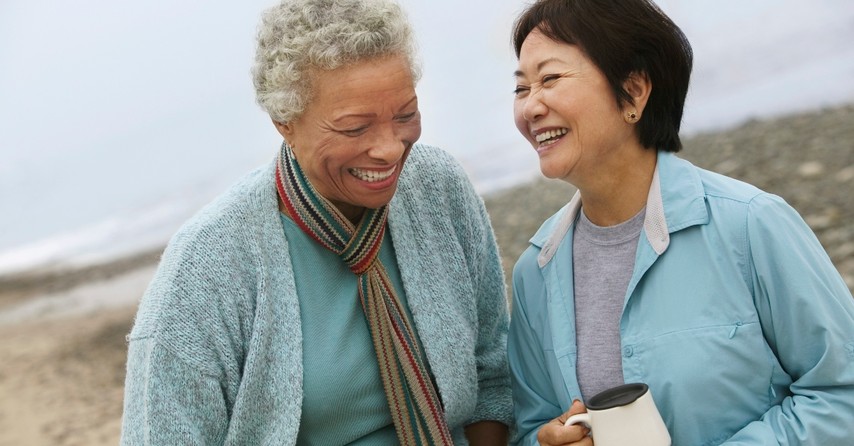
point(811, 169)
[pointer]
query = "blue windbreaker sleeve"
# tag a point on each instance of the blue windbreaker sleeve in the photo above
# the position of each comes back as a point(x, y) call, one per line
point(807, 317)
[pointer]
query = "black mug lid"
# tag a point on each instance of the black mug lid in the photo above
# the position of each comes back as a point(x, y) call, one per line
point(617, 396)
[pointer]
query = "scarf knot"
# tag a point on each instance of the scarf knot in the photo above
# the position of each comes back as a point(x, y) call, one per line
point(360, 253)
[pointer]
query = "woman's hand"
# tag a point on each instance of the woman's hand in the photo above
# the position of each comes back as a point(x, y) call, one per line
point(490, 433)
point(554, 433)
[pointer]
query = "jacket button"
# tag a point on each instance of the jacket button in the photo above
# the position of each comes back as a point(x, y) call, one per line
point(628, 351)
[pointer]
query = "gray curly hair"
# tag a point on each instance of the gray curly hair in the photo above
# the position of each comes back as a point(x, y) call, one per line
point(299, 36)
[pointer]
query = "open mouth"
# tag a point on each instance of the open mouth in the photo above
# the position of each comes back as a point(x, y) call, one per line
point(550, 136)
point(372, 176)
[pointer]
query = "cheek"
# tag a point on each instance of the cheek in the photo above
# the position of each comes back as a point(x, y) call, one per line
point(320, 161)
point(521, 123)
point(407, 133)
point(411, 132)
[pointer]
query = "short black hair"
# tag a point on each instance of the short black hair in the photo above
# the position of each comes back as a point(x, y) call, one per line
point(623, 37)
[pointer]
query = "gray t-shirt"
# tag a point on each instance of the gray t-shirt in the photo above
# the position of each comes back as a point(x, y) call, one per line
point(603, 260)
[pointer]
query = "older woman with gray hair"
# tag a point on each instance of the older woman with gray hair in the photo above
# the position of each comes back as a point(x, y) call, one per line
point(349, 292)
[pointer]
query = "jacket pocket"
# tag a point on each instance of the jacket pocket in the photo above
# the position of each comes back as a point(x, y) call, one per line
point(708, 382)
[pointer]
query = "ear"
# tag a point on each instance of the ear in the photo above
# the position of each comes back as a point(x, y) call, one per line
point(639, 87)
point(285, 129)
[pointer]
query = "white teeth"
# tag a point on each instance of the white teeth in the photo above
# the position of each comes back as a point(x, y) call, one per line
point(550, 134)
point(372, 176)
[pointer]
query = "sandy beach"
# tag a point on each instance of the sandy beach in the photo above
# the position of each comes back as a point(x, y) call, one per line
point(62, 339)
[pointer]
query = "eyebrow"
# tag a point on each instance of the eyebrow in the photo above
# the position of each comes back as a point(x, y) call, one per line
point(353, 115)
point(371, 115)
point(414, 99)
point(519, 73)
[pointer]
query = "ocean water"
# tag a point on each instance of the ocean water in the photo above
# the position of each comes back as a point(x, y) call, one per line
point(119, 121)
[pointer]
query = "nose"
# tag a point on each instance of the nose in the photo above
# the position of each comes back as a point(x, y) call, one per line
point(388, 146)
point(532, 106)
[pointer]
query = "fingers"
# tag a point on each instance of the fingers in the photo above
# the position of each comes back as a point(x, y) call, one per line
point(554, 433)
point(576, 408)
point(586, 441)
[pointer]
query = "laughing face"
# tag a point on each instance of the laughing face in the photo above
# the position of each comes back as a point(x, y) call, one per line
point(566, 109)
point(354, 136)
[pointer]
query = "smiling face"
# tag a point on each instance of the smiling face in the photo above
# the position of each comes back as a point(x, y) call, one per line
point(354, 136)
point(567, 110)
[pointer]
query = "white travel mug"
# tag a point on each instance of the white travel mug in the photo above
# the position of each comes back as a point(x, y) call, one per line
point(624, 415)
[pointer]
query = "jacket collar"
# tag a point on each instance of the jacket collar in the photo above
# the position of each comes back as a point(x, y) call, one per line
point(676, 200)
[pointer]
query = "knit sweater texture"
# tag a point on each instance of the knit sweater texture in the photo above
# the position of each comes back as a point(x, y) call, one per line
point(215, 354)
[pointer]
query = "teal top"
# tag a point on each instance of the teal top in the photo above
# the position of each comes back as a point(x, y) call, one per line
point(215, 356)
point(343, 397)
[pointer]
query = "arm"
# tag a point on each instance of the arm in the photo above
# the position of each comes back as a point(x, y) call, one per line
point(494, 406)
point(180, 368)
point(534, 401)
point(486, 433)
point(807, 317)
point(169, 402)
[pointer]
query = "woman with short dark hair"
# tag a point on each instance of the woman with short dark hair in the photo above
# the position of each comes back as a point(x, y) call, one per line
point(715, 294)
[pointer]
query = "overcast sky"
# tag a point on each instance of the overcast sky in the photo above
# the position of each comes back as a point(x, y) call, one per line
point(80, 80)
point(112, 106)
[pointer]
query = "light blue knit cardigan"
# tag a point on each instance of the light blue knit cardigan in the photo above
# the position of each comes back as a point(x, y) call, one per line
point(215, 354)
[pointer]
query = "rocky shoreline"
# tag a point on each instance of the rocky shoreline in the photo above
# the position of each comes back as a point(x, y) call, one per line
point(808, 159)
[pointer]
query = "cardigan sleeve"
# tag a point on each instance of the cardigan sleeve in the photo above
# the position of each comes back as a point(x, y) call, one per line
point(186, 347)
point(807, 317)
point(467, 212)
point(167, 401)
point(494, 395)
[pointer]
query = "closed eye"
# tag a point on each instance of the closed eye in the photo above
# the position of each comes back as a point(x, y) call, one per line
point(521, 90)
point(550, 79)
point(355, 131)
point(547, 81)
point(407, 117)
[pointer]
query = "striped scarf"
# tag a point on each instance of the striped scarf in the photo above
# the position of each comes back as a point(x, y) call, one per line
point(414, 404)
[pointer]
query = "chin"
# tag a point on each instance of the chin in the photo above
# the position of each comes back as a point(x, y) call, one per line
point(377, 203)
point(550, 172)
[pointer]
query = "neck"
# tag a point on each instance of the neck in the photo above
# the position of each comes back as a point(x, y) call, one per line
point(622, 193)
point(352, 212)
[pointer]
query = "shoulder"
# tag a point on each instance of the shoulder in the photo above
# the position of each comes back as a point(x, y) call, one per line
point(718, 186)
point(430, 166)
point(681, 183)
point(702, 195)
point(433, 179)
point(230, 217)
point(734, 198)
point(210, 267)
point(752, 220)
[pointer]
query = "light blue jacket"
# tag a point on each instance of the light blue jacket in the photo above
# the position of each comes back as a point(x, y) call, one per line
point(734, 316)
point(215, 354)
